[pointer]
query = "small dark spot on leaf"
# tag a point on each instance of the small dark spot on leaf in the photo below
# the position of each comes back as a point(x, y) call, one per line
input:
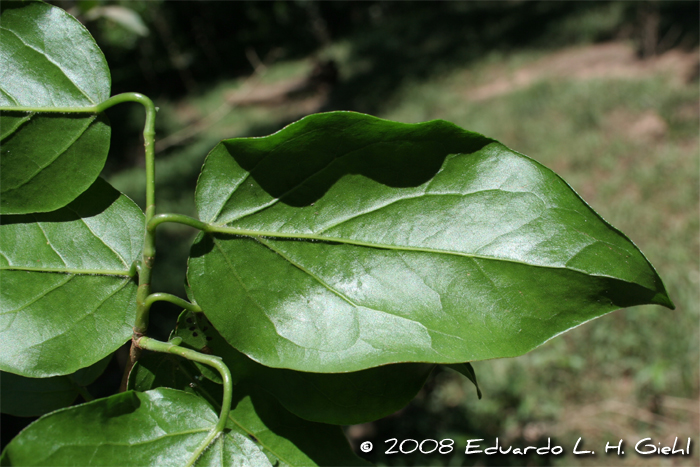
point(189, 320)
point(253, 438)
point(209, 338)
point(194, 334)
point(192, 328)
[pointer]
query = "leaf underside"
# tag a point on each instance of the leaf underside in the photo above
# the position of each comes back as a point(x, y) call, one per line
point(160, 427)
point(48, 159)
point(39, 70)
point(68, 298)
point(282, 436)
point(340, 399)
point(348, 242)
point(30, 397)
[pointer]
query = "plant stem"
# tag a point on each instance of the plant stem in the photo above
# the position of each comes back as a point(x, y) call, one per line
point(84, 392)
point(149, 250)
point(166, 297)
point(211, 360)
point(90, 109)
point(178, 219)
point(149, 247)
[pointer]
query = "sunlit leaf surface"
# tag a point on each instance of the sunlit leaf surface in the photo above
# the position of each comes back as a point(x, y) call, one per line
point(161, 427)
point(347, 242)
point(48, 60)
point(67, 288)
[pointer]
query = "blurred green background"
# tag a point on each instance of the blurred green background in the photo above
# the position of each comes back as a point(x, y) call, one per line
point(604, 93)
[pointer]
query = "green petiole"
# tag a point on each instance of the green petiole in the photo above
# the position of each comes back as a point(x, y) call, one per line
point(211, 360)
point(175, 300)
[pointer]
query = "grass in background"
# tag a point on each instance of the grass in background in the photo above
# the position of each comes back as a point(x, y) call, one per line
point(630, 147)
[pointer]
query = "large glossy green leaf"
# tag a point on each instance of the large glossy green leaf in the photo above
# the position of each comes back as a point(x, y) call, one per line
point(285, 438)
point(30, 397)
point(346, 242)
point(341, 399)
point(162, 427)
point(66, 283)
point(48, 60)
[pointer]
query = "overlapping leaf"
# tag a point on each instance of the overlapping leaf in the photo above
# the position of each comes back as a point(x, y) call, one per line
point(48, 159)
point(66, 283)
point(162, 427)
point(286, 439)
point(341, 399)
point(346, 242)
point(467, 370)
point(29, 397)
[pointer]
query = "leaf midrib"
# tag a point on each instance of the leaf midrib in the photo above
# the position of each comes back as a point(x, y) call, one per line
point(302, 236)
point(50, 60)
point(59, 153)
point(87, 272)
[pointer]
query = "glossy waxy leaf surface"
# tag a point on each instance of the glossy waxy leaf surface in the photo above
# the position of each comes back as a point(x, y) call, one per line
point(341, 399)
point(48, 60)
point(66, 283)
point(162, 427)
point(30, 397)
point(346, 242)
point(285, 438)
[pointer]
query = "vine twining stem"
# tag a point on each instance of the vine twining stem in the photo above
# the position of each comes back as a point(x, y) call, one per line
point(211, 360)
point(149, 251)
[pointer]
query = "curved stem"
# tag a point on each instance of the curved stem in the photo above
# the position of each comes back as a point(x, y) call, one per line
point(82, 390)
point(90, 109)
point(148, 132)
point(178, 219)
point(149, 248)
point(211, 360)
point(149, 343)
point(175, 300)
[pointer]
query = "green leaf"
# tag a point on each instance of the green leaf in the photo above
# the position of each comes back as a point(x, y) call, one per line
point(340, 399)
point(347, 242)
point(162, 427)
point(68, 295)
point(30, 397)
point(467, 370)
point(293, 441)
point(49, 159)
point(285, 438)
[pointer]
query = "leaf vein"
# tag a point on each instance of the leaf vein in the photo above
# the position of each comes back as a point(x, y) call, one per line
point(59, 153)
point(82, 219)
point(302, 268)
point(48, 59)
point(8, 131)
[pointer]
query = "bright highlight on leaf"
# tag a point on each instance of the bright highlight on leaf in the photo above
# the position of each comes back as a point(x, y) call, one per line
point(47, 160)
point(348, 242)
point(163, 427)
point(68, 292)
point(283, 436)
point(341, 399)
point(340, 260)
